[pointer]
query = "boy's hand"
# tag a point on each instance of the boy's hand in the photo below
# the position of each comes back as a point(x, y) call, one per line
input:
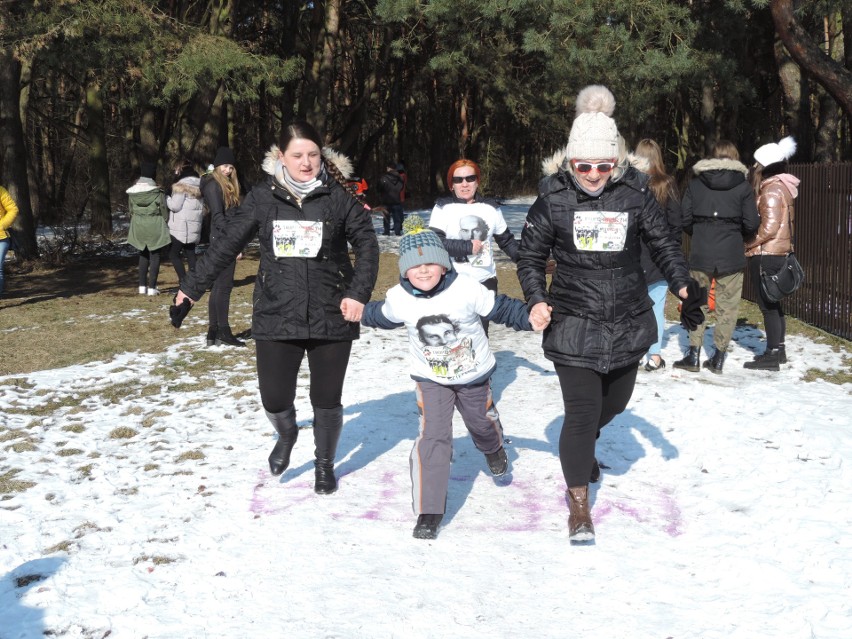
point(540, 316)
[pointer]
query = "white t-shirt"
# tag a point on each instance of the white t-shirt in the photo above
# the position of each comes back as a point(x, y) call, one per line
point(476, 221)
point(446, 340)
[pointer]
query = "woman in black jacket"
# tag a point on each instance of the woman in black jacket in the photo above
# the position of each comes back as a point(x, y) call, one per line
point(719, 213)
point(221, 191)
point(592, 213)
point(308, 295)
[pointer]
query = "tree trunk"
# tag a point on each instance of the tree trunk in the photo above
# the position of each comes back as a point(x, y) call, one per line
point(836, 80)
point(101, 213)
point(323, 68)
point(13, 155)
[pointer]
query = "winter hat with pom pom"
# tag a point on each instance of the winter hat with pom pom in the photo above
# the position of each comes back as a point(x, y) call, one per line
point(772, 152)
point(594, 135)
point(420, 245)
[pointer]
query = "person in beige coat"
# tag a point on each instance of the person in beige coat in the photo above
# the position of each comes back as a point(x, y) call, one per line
point(775, 190)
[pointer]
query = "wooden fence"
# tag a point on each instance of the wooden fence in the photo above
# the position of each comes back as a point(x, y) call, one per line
point(823, 238)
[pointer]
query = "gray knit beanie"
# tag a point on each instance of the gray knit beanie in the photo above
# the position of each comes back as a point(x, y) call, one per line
point(420, 245)
point(594, 135)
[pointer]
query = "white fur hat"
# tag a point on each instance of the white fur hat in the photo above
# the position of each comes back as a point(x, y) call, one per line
point(594, 134)
point(772, 152)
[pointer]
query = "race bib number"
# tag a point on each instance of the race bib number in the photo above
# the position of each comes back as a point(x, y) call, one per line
point(296, 238)
point(600, 230)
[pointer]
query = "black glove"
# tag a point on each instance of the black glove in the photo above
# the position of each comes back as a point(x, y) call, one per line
point(179, 311)
point(691, 314)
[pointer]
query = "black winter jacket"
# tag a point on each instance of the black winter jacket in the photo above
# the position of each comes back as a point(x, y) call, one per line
point(214, 199)
point(602, 316)
point(719, 212)
point(295, 297)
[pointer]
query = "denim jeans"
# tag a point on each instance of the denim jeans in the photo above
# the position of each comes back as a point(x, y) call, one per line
point(4, 248)
point(657, 292)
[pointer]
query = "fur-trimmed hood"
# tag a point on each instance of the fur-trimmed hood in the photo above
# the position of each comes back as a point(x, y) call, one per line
point(189, 186)
point(343, 163)
point(715, 164)
point(720, 174)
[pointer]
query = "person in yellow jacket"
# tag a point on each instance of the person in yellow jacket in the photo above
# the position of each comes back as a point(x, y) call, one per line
point(8, 212)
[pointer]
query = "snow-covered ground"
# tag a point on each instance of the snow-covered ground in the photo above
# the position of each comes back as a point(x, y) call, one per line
point(724, 512)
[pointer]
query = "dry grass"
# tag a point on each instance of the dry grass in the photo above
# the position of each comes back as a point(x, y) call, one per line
point(90, 311)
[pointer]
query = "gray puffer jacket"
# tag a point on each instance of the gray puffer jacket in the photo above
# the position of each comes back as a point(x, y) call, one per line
point(186, 210)
point(602, 316)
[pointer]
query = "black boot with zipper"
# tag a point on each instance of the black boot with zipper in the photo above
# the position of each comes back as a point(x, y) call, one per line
point(288, 430)
point(328, 422)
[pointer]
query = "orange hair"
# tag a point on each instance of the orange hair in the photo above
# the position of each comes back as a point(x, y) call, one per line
point(459, 164)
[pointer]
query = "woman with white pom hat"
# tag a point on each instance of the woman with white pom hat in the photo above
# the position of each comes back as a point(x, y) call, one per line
point(775, 190)
point(593, 211)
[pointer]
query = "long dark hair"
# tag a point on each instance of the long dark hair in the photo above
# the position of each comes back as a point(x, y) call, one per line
point(302, 130)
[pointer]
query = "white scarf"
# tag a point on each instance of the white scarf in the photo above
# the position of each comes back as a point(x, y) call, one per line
point(299, 189)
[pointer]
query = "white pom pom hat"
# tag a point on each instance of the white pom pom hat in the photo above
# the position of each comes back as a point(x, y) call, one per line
point(594, 135)
point(775, 152)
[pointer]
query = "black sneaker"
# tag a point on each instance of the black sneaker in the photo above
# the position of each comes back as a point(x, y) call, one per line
point(427, 526)
point(497, 462)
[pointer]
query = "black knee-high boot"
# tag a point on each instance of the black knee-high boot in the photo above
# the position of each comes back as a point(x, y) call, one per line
point(288, 430)
point(328, 422)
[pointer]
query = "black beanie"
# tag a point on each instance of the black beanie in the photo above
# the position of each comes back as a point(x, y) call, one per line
point(148, 170)
point(224, 155)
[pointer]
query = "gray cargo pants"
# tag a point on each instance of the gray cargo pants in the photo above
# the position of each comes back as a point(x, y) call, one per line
point(433, 449)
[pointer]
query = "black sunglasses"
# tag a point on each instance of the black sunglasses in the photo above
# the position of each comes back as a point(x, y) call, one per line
point(458, 179)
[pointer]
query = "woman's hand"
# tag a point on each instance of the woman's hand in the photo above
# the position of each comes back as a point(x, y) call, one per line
point(181, 296)
point(540, 316)
point(351, 309)
point(477, 246)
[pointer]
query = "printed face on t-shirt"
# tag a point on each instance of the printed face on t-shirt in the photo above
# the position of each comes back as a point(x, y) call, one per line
point(472, 227)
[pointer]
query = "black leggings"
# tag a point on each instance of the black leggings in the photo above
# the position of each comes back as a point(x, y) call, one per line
point(591, 400)
point(219, 302)
point(278, 366)
point(149, 267)
point(175, 255)
point(774, 320)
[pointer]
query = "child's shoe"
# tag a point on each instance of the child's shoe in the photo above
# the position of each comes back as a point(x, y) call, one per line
point(153, 291)
point(143, 290)
point(497, 462)
point(427, 526)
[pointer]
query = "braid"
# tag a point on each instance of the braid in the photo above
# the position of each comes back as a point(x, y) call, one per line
point(332, 169)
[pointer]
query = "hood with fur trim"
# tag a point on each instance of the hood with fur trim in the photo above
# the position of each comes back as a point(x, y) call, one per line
point(714, 164)
point(720, 174)
point(343, 163)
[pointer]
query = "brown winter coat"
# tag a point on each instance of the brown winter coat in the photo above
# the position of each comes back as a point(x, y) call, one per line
point(775, 205)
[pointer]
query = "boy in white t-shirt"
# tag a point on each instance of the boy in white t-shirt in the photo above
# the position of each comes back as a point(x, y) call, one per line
point(452, 362)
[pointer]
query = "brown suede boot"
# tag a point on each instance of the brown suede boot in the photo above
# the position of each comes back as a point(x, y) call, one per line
point(580, 527)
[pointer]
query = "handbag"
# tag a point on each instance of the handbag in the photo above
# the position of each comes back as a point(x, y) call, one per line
point(776, 286)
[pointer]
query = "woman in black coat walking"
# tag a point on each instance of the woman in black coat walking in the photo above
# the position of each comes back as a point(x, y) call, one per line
point(719, 213)
point(592, 213)
point(308, 295)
